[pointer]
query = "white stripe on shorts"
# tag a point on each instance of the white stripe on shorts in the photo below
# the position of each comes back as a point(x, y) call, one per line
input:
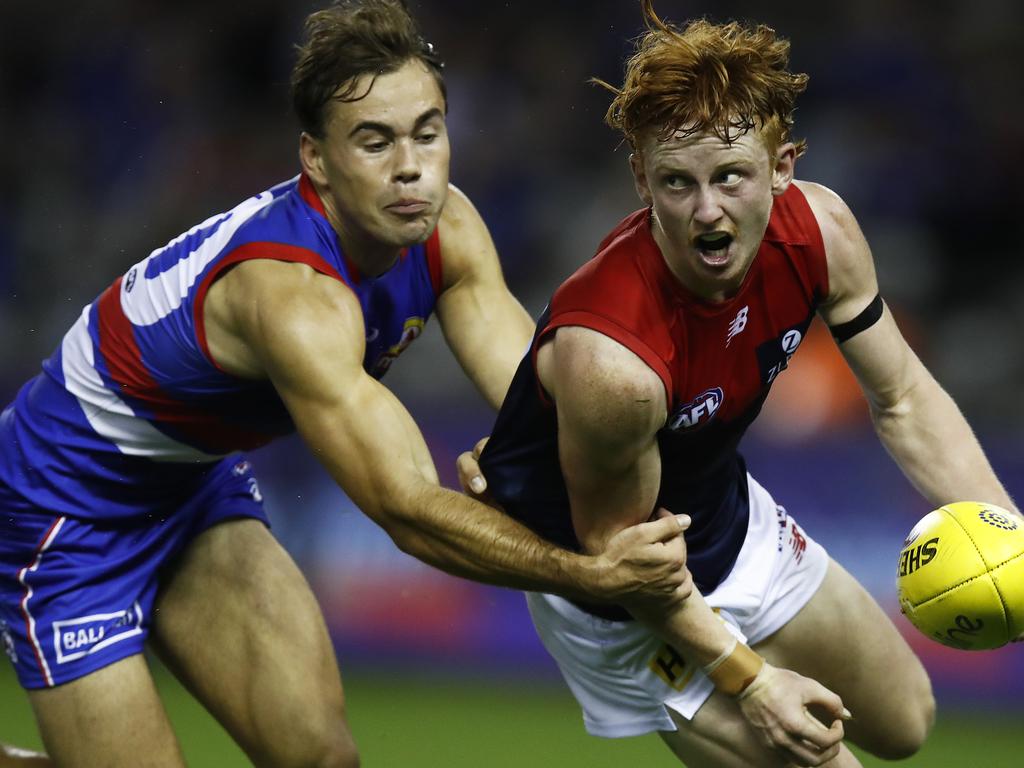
point(29, 618)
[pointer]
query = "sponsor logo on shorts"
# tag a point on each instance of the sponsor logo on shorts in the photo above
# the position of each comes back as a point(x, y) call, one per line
point(797, 541)
point(79, 637)
point(782, 518)
point(7, 641)
point(671, 667)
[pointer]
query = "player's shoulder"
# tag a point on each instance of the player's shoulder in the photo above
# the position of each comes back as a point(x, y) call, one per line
point(459, 211)
point(850, 266)
point(607, 376)
point(834, 217)
point(465, 242)
point(290, 295)
point(461, 228)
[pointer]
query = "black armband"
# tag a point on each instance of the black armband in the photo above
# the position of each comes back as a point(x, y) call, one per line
point(868, 317)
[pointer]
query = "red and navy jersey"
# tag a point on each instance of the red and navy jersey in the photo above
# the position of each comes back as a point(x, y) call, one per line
point(717, 362)
point(132, 405)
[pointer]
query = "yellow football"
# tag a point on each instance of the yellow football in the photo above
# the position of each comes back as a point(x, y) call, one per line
point(960, 579)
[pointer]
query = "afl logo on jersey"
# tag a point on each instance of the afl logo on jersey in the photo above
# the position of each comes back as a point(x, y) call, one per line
point(698, 411)
point(129, 281)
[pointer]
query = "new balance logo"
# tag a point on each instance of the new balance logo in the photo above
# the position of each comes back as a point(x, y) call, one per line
point(737, 325)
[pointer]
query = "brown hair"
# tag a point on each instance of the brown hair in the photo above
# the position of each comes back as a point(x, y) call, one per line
point(725, 79)
point(349, 39)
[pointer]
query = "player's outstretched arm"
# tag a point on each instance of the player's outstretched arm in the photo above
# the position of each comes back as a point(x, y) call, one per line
point(916, 420)
point(305, 332)
point(486, 327)
point(610, 407)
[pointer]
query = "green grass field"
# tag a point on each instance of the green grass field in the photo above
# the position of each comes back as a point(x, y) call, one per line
point(469, 725)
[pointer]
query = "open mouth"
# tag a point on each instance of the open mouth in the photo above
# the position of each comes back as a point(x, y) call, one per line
point(712, 242)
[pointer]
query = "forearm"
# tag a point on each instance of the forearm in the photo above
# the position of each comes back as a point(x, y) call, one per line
point(689, 626)
point(468, 539)
point(489, 332)
point(933, 444)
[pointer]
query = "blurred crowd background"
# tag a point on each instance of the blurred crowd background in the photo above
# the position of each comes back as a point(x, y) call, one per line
point(124, 123)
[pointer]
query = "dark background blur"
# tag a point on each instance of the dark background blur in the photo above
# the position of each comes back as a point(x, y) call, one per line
point(124, 123)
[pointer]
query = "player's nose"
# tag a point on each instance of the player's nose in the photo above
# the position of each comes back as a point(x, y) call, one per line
point(406, 161)
point(707, 207)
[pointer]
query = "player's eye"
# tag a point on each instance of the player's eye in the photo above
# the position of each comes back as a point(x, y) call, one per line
point(674, 181)
point(730, 178)
point(378, 145)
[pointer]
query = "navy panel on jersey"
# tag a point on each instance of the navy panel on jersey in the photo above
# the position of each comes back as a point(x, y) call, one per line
point(717, 362)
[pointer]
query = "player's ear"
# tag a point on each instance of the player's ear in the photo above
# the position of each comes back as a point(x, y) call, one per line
point(785, 164)
point(312, 159)
point(643, 188)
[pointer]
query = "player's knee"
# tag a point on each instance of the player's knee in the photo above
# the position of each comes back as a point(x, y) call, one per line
point(325, 745)
point(333, 754)
point(340, 753)
point(907, 735)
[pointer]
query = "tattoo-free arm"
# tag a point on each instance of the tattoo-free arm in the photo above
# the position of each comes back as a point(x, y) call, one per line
point(486, 327)
point(305, 332)
point(610, 406)
point(916, 420)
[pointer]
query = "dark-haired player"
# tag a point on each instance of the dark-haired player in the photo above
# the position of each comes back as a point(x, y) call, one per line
point(125, 514)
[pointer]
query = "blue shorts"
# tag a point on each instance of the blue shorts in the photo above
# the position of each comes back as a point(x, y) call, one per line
point(77, 595)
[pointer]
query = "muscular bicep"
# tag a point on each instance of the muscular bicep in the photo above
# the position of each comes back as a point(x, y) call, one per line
point(610, 406)
point(307, 331)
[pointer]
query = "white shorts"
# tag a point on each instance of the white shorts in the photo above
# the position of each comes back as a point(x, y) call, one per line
point(624, 676)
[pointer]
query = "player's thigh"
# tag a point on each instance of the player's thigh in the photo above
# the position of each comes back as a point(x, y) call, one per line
point(238, 624)
point(843, 639)
point(718, 736)
point(112, 717)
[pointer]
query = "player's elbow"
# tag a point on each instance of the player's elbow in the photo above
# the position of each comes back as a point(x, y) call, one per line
point(403, 514)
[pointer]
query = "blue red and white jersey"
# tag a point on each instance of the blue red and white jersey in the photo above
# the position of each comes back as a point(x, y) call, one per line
point(717, 362)
point(132, 405)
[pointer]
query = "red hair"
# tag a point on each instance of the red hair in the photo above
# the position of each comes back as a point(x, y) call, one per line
point(724, 79)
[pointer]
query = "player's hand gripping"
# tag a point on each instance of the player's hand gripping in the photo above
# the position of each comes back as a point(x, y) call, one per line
point(778, 703)
point(470, 477)
point(644, 563)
